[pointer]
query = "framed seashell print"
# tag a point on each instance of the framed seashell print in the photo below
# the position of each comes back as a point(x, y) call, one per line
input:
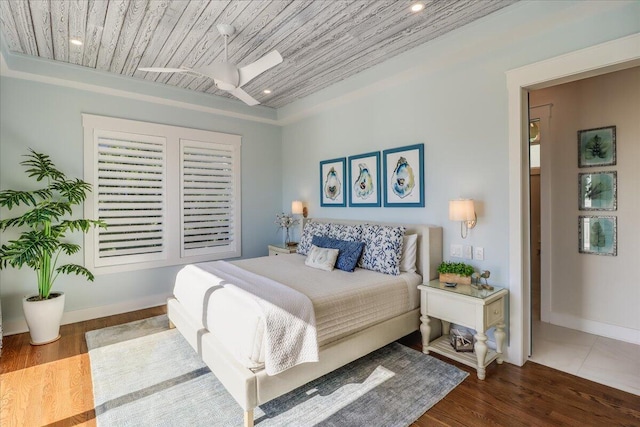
point(364, 180)
point(333, 184)
point(403, 176)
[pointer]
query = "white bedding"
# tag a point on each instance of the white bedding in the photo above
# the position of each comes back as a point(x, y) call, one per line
point(289, 331)
point(343, 302)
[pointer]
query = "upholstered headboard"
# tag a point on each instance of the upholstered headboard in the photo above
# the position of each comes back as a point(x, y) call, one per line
point(429, 254)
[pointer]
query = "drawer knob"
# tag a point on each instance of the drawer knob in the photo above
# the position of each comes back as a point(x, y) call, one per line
point(496, 312)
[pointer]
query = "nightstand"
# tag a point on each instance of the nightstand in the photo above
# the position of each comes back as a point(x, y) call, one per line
point(282, 250)
point(464, 305)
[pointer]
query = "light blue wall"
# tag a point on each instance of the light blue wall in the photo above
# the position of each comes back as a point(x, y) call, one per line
point(47, 118)
point(451, 95)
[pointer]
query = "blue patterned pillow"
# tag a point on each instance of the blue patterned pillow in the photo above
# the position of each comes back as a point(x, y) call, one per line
point(350, 233)
point(311, 229)
point(349, 251)
point(382, 248)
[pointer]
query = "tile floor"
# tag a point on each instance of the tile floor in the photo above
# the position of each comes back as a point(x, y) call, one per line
point(603, 360)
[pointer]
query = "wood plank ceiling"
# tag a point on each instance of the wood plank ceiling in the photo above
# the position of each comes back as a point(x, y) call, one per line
point(322, 42)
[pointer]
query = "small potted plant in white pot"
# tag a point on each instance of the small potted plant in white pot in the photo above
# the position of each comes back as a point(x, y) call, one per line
point(44, 222)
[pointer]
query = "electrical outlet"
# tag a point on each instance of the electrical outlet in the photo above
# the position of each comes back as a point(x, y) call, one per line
point(456, 251)
point(466, 251)
point(478, 253)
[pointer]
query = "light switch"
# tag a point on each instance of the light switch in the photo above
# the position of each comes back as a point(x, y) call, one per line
point(456, 251)
point(466, 251)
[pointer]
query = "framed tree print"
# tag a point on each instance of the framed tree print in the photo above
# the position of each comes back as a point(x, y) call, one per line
point(332, 182)
point(597, 147)
point(364, 180)
point(598, 235)
point(403, 176)
point(597, 191)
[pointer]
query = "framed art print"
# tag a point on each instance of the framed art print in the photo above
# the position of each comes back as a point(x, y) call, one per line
point(332, 182)
point(597, 147)
point(364, 180)
point(597, 191)
point(598, 235)
point(403, 176)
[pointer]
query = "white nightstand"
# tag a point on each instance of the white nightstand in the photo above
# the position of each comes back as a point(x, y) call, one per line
point(282, 250)
point(464, 305)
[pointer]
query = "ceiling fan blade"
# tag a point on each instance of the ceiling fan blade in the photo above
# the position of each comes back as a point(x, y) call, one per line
point(164, 70)
point(248, 72)
point(221, 71)
point(243, 96)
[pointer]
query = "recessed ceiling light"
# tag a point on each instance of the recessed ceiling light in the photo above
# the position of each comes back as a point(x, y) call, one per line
point(267, 91)
point(76, 42)
point(417, 7)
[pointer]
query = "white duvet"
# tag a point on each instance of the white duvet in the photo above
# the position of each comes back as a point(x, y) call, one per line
point(343, 302)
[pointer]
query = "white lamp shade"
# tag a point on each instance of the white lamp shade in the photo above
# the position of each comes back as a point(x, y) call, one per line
point(461, 210)
point(296, 207)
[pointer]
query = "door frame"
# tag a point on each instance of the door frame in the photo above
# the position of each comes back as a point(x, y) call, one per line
point(596, 60)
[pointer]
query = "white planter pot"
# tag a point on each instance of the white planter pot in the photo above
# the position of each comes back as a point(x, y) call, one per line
point(43, 318)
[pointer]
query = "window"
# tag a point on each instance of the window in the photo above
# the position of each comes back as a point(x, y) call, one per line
point(207, 175)
point(169, 195)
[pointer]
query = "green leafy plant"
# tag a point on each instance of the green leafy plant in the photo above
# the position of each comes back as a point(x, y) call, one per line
point(41, 244)
point(459, 268)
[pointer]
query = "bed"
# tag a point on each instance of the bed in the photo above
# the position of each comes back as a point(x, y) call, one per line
point(234, 354)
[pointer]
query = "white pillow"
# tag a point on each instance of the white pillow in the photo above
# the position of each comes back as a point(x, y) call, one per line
point(322, 258)
point(409, 253)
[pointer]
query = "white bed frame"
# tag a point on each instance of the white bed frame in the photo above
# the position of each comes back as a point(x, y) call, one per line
point(251, 389)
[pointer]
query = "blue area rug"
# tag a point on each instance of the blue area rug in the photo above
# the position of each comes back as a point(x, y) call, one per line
point(146, 375)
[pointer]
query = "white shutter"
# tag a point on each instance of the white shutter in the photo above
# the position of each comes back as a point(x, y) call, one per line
point(130, 190)
point(169, 195)
point(209, 179)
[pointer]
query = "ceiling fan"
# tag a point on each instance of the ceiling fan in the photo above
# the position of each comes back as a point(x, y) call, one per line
point(226, 76)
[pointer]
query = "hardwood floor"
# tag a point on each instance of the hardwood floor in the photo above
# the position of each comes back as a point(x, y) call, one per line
point(50, 385)
point(58, 374)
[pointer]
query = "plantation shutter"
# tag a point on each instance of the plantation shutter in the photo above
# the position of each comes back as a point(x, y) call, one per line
point(131, 197)
point(169, 195)
point(209, 178)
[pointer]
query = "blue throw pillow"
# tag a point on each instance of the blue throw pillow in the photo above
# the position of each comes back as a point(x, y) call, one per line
point(349, 251)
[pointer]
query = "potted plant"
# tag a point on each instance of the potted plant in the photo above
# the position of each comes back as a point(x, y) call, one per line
point(45, 223)
point(455, 272)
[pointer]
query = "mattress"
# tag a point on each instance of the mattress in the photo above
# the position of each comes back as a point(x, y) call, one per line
point(344, 303)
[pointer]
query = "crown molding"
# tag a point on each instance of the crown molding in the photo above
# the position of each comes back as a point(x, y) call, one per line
point(46, 71)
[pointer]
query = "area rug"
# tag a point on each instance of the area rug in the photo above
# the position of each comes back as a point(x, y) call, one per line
point(147, 375)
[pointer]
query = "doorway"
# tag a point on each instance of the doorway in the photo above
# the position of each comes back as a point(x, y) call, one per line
point(586, 334)
point(595, 60)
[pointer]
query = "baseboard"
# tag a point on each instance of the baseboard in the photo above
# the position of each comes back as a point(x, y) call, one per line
point(20, 326)
point(597, 328)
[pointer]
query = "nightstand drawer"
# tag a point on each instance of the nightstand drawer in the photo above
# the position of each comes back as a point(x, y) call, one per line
point(494, 312)
point(281, 250)
point(451, 309)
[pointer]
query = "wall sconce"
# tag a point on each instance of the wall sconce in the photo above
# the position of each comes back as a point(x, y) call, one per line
point(297, 208)
point(463, 210)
